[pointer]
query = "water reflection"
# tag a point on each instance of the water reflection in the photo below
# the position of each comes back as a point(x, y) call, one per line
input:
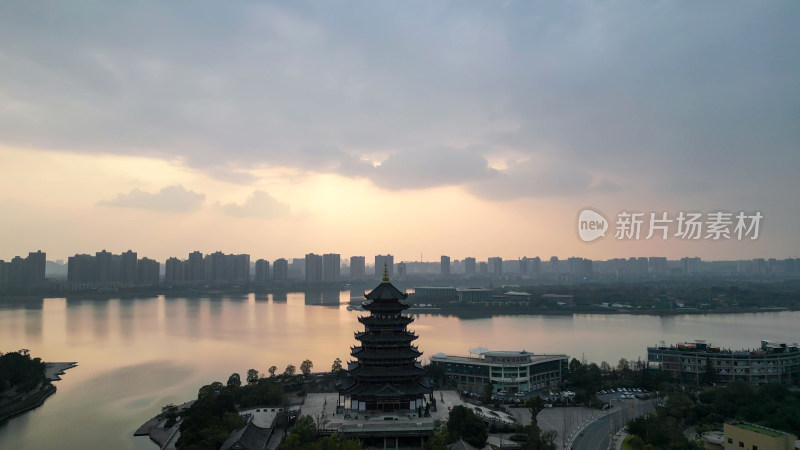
point(137, 354)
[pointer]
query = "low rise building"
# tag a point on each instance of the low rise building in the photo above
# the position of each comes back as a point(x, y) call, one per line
point(756, 437)
point(444, 291)
point(773, 362)
point(474, 295)
point(506, 371)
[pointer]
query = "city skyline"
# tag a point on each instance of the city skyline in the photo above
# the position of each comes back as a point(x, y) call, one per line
point(278, 128)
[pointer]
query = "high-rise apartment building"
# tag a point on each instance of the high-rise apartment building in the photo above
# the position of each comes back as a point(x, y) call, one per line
point(128, 262)
point(331, 267)
point(380, 261)
point(445, 266)
point(280, 269)
point(262, 271)
point(313, 268)
point(470, 266)
point(495, 266)
point(357, 268)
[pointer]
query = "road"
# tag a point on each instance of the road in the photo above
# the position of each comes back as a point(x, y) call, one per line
point(597, 435)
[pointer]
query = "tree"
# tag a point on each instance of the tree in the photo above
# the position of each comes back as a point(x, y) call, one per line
point(290, 369)
point(624, 368)
point(535, 440)
point(252, 376)
point(463, 423)
point(436, 373)
point(234, 381)
point(302, 434)
point(605, 367)
point(535, 405)
point(574, 367)
point(337, 366)
point(171, 413)
point(709, 375)
point(487, 393)
point(305, 367)
point(272, 370)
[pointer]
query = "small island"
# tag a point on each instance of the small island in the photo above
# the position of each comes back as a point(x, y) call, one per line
point(26, 382)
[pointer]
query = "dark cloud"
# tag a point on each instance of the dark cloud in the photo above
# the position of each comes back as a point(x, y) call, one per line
point(637, 92)
point(259, 205)
point(429, 167)
point(175, 199)
point(533, 179)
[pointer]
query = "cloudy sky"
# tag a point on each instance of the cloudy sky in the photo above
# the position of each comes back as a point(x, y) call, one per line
point(466, 128)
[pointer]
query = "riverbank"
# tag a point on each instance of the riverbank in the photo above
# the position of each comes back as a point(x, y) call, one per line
point(488, 310)
point(36, 397)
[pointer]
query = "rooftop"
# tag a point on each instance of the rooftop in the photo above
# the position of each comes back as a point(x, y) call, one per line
point(759, 429)
point(534, 358)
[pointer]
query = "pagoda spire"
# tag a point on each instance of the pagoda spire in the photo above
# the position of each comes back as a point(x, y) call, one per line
point(385, 273)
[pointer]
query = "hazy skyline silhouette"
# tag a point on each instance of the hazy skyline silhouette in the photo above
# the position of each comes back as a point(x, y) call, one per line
point(466, 128)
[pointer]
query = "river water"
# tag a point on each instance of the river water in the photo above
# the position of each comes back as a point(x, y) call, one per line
point(136, 355)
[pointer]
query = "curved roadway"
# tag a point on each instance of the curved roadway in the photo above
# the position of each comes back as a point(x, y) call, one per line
point(597, 435)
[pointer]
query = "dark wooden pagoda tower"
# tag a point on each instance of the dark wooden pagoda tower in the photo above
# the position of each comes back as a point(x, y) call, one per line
point(385, 377)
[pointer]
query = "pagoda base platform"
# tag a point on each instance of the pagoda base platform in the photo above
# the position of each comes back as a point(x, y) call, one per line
point(396, 429)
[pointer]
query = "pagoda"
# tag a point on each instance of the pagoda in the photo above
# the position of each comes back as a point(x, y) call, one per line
point(386, 376)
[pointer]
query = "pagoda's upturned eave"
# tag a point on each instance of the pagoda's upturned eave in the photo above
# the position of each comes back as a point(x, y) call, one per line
point(390, 355)
point(372, 320)
point(407, 374)
point(384, 304)
point(389, 338)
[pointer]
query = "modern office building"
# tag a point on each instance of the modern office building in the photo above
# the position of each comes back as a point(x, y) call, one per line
point(505, 371)
point(357, 268)
point(445, 266)
point(773, 362)
point(331, 267)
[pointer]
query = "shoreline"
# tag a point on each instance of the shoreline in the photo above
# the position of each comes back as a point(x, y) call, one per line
point(472, 310)
point(53, 372)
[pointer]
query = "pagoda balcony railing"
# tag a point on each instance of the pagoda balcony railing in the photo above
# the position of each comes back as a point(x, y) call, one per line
point(391, 305)
point(402, 333)
point(389, 320)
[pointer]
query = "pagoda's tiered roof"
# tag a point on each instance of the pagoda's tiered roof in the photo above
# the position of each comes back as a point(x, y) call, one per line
point(410, 353)
point(367, 372)
point(384, 390)
point(387, 338)
point(386, 366)
point(373, 321)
